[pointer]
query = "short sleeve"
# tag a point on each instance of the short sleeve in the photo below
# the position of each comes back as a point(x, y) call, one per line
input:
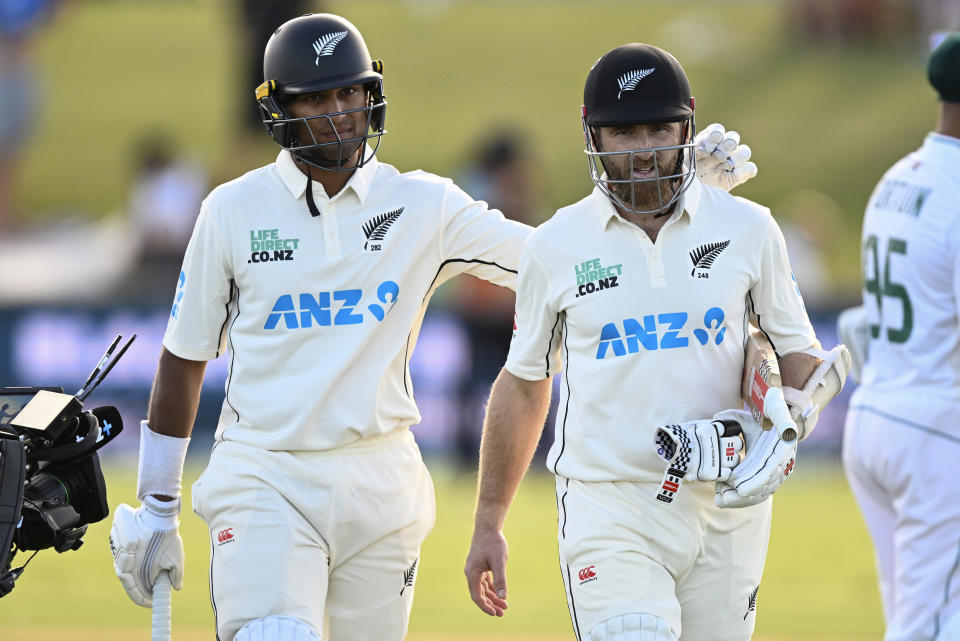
point(535, 347)
point(480, 241)
point(775, 298)
point(196, 329)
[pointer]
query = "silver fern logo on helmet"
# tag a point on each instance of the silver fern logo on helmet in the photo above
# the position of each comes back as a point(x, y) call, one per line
point(629, 80)
point(325, 44)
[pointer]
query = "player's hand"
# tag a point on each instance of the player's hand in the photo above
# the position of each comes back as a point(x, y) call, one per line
point(705, 450)
point(486, 571)
point(768, 462)
point(721, 160)
point(145, 541)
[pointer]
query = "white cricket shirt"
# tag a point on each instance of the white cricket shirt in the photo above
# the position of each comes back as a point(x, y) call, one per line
point(911, 267)
point(320, 315)
point(649, 333)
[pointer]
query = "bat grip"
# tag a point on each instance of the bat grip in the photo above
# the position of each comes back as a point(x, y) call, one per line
point(161, 622)
point(775, 408)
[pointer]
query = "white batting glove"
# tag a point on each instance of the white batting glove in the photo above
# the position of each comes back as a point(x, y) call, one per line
point(144, 542)
point(706, 450)
point(768, 462)
point(721, 160)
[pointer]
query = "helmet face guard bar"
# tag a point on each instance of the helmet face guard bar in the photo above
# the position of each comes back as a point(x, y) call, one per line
point(285, 130)
point(681, 176)
point(346, 148)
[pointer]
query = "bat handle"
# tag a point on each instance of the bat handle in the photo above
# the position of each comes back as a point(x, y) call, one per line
point(161, 623)
point(775, 408)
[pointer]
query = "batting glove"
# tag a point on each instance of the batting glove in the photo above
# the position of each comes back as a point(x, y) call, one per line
point(145, 542)
point(721, 160)
point(768, 462)
point(706, 450)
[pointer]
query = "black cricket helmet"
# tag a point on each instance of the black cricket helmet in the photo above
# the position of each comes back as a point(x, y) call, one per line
point(632, 85)
point(314, 53)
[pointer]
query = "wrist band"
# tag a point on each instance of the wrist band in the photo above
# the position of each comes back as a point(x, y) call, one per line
point(161, 463)
point(160, 515)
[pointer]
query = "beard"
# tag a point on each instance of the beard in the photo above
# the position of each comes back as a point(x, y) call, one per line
point(649, 194)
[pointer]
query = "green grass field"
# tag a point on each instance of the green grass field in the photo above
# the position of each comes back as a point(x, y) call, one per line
point(818, 118)
point(818, 583)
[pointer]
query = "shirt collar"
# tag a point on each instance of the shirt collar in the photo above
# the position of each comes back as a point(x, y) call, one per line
point(689, 203)
point(942, 144)
point(296, 183)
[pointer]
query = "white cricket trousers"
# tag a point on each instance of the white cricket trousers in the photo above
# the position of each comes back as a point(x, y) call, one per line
point(904, 476)
point(332, 538)
point(690, 563)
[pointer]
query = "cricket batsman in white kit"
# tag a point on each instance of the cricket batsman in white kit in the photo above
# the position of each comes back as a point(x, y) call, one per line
point(643, 291)
point(314, 272)
point(902, 435)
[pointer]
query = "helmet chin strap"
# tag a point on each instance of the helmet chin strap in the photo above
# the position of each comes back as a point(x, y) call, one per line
point(666, 213)
point(311, 205)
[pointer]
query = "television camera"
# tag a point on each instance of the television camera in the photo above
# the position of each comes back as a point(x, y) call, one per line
point(51, 485)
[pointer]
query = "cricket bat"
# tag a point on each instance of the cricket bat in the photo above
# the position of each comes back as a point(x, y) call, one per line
point(761, 389)
point(162, 608)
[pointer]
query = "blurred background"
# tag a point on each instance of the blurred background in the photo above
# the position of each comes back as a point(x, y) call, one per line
point(118, 116)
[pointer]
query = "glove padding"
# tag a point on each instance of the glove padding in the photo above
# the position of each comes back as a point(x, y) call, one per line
point(721, 160)
point(145, 541)
point(768, 462)
point(705, 450)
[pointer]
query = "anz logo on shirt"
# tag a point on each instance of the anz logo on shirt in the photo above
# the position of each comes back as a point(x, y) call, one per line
point(317, 310)
point(175, 312)
point(659, 331)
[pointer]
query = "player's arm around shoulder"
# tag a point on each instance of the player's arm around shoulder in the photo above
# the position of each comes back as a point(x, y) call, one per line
point(479, 239)
point(511, 430)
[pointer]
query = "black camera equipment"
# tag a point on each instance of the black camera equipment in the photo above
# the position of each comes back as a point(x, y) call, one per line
point(51, 486)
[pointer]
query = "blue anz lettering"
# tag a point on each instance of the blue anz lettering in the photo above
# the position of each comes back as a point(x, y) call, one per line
point(610, 337)
point(675, 321)
point(282, 308)
point(350, 298)
point(646, 335)
point(316, 309)
point(666, 327)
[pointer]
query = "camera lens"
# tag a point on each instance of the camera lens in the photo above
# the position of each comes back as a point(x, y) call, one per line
point(66, 485)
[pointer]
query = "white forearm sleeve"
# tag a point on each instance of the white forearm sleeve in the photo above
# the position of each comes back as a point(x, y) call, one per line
point(161, 463)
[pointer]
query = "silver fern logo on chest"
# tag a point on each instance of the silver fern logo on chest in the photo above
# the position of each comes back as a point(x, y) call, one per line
point(377, 227)
point(704, 256)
